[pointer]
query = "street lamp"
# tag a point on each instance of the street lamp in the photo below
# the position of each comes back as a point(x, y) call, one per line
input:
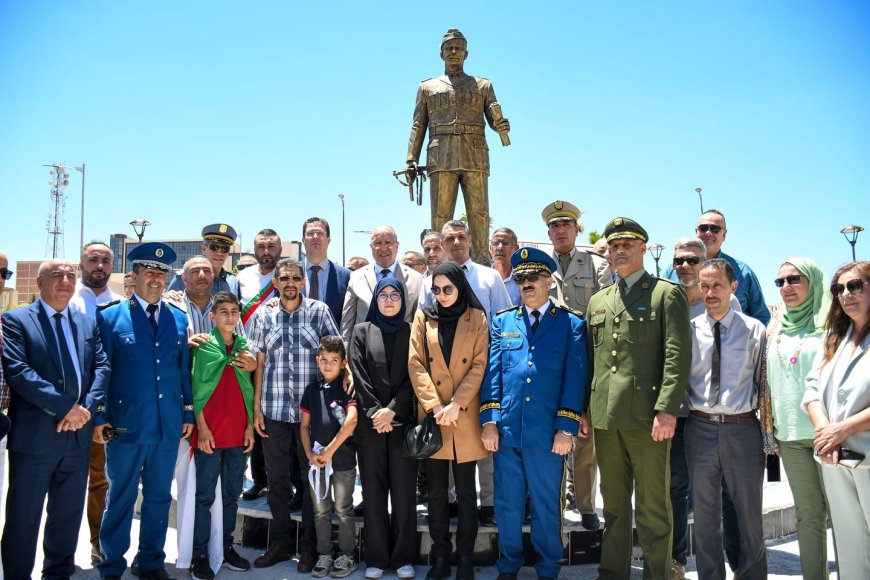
point(851, 234)
point(700, 199)
point(139, 225)
point(343, 245)
point(656, 251)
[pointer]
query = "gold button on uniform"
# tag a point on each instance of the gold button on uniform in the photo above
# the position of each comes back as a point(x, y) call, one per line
point(616, 320)
point(615, 336)
point(613, 369)
point(612, 353)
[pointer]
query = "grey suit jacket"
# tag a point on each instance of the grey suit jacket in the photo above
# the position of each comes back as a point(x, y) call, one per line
point(360, 291)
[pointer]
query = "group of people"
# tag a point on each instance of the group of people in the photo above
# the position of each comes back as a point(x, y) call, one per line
point(673, 390)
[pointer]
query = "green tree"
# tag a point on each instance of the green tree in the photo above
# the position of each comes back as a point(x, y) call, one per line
point(594, 236)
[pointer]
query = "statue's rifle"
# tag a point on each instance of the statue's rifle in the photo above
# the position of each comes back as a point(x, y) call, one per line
point(409, 177)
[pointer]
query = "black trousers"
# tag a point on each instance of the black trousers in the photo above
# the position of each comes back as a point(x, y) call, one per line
point(390, 536)
point(438, 471)
point(282, 437)
point(258, 466)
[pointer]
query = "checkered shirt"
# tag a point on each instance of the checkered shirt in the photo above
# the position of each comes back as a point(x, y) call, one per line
point(289, 341)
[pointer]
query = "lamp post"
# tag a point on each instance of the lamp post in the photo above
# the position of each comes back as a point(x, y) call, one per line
point(851, 232)
point(656, 251)
point(700, 199)
point(139, 225)
point(343, 245)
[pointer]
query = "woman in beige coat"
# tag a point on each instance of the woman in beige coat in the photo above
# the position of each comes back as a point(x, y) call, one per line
point(447, 361)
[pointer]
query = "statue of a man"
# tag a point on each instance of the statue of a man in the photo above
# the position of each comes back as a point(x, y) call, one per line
point(453, 107)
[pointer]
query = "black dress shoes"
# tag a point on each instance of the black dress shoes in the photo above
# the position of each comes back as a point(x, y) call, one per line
point(255, 491)
point(487, 516)
point(590, 521)
point(296, 502)
point(275, 554)
point(440, 570)
point(465, 569)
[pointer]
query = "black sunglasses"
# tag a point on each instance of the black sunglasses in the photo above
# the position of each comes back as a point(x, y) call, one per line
point(520, 278)
point(219, 248)
point(296, 279)
point(6, 274)
point(853, 286)
point(692, 260)
point(704, 228)
point(792, 280)
point(448, 290)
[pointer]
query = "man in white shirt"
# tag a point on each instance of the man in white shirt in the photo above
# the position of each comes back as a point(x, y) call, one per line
point(255, 284)
point(93, 290)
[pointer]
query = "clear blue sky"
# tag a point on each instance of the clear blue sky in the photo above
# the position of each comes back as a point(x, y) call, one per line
point(260, 113)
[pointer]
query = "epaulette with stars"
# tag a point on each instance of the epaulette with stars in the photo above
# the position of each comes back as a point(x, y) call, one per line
point(571, 310)
point(508, 309)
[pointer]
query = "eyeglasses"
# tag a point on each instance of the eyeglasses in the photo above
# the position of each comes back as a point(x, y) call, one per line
point(392, 297)
point(315, 234)
point(501, 244)
point(692, 261)
point(704, 228)
point(792, 280)
point(296, 279)
point(219, 248)
point(448, 289)
point(6, 274)
point(853, 286)
point(520, 278)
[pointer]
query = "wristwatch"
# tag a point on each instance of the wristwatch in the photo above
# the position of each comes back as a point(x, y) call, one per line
point(568, 433)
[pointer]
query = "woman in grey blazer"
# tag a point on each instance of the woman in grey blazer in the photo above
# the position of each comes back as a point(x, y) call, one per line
point(837, 399)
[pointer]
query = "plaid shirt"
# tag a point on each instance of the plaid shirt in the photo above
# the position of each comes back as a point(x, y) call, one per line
point(290, 341)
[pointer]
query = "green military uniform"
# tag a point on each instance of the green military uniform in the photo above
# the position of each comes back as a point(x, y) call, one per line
point(640, 345)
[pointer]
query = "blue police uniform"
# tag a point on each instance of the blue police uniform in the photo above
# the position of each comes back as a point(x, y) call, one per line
point(148, 400)
point(534, 387)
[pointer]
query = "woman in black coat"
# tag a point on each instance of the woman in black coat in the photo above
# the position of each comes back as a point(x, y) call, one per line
point(379, 363)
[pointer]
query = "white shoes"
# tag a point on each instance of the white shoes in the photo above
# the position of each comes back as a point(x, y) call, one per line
point(406, 572)
point(374, 573)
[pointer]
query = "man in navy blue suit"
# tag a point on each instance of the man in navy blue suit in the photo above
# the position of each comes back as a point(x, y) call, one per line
point(57, 372)
point(326, 280)
point(149, 407)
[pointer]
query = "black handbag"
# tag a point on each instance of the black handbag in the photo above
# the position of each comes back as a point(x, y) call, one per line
point(424, 440)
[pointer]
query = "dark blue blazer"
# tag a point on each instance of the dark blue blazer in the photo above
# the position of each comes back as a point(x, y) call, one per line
point(31, 361)
point(337, 280)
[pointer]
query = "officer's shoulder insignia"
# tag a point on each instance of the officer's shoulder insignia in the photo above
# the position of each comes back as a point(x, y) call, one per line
point(571, 310)
point(508, 309)
point(107, 304)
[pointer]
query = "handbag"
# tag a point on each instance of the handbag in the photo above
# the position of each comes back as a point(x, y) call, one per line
point(424, 440)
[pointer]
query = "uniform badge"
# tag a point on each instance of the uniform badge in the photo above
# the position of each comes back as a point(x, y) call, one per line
point(158, 252)
point(558, 205)
point(223, 228)
point(617, 222)
point(524, 254)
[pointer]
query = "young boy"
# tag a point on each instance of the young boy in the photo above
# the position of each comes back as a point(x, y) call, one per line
point(223, 399)
point(329, 417)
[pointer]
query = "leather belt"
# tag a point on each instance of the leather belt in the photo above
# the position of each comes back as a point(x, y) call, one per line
point(456, 129)
point(739, 418)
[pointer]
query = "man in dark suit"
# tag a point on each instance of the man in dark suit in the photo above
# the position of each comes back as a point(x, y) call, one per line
point(360, 288)
point(149, 408)
point(326, 280)
point(57, 371)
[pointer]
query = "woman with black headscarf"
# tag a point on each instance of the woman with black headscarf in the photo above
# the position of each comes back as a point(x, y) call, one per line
point(378, 361)
point(448, 354)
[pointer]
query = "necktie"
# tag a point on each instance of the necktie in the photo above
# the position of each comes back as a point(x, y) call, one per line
point(385, 272)
point(314, 291)
point(537, 320)
point(152, 318)
point(70, 377)
point(564, 262)
point(617, 296)
point(714, 374)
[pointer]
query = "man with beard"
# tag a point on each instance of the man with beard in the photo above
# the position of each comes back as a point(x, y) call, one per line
point(93, 290)
point(256, 287)
point(433, 251)
point(285, 339)
point(217, 241)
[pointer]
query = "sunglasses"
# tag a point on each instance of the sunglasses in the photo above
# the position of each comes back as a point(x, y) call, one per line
point(392, 297)
point(853, 286)
point(448, 290)
point(296, 279)
point(520, 278)
point(792, 280)
point(704, 228)
point(6, 274)
point(692, 260)
point(219, 248)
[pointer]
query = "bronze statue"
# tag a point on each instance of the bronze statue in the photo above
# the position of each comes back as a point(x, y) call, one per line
point(453, 107)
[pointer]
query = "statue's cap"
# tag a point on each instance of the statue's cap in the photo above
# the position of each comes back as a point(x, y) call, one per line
point(453, 34)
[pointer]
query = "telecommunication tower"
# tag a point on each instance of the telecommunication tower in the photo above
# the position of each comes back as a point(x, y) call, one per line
point(54, 225)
